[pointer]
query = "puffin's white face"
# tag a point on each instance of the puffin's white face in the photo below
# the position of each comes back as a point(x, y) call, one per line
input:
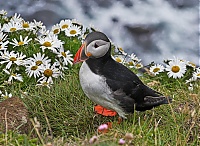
point(97, 48)
point(96, 45)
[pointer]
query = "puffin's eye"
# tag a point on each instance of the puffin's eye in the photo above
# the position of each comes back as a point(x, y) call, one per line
point(95, 45)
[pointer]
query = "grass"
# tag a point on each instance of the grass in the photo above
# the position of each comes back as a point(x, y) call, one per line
point(66, 117)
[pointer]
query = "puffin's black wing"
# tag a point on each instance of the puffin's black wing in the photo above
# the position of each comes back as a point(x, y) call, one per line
point(120, 77)
point(129, 89)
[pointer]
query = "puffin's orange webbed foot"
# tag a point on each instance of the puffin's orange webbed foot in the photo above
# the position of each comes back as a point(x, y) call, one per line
point(103, 111)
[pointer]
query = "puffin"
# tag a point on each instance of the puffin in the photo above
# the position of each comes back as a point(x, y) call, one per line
point(108, 83)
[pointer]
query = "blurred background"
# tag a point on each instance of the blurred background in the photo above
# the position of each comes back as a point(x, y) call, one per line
point(154, 30)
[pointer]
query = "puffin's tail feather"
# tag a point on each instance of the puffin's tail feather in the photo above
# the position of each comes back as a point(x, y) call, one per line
point(150, 102)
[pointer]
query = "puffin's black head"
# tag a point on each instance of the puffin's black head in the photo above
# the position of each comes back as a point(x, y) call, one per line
point(96, 45)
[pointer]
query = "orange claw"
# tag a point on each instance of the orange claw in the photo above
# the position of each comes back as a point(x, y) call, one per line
point(103, 111)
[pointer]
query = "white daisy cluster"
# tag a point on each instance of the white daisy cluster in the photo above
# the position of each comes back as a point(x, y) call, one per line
point(195, 76)
point(174, 68)
point(130, 60)
point(177, 69)
point(29, 50)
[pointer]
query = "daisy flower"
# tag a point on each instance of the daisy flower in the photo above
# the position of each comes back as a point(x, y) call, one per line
point(190, 87)
point(16, 18)
point(156, 69)
point(133, 64)
point(6, 95)
point(134, 57)
point(191, 64)
point(11, 58)
point(38, 59)
point(196, 74)
point(138, 65)
point(73, 31)
point(38, 24)
point(28, 25)
point(3, 12)
point(11, 26)
point(33, 70)
point(21, 42)
point(49, 71)
point(133, 61)
point(3, 36)
point(50, 42)
point(56, 40)
point(20, 58)
point(65, 24)
point(192, 79)
point(121, 51)
point(76, 22)
point(61, 67)
point(65, 56)
point(13, 76)
point(55, 29)
point(45, 82)
point(3, 45)
point(44, 32)
point(119, 58)
point(176, 68)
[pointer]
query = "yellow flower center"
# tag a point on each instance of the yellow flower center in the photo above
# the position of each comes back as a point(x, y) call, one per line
point(192, 64)
point(72, 32)
point(121, 49)
point(45, 83)
point(131, 63)
point(198, 75)
point(5, 97)
point(25, 25)
point(175, 69)
point(48, 73)
point(47, 44)
point(13, 29)
point(39, 62)
point(138, 65)
point(34, 67)
point(13, 59)
point(21, 43)
point(63, 54)
point(156, 69)
point(13, 74)
point(0, 46)
point(56, 31)
point(64, 26)
point(118, 59)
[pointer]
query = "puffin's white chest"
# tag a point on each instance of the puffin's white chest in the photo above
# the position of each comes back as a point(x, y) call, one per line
point(94, 86)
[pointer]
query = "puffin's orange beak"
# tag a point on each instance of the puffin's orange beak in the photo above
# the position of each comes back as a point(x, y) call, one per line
point(80, 55)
